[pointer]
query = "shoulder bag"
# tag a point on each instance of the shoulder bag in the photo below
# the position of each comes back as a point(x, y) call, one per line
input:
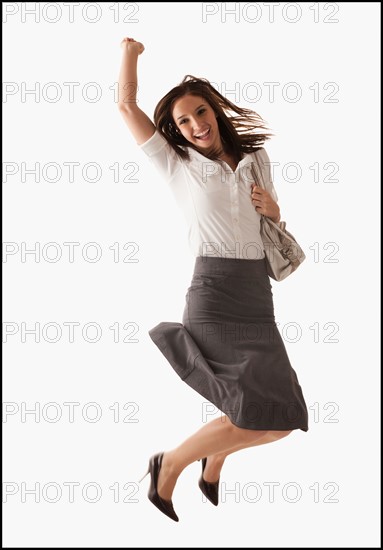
point(283, 254)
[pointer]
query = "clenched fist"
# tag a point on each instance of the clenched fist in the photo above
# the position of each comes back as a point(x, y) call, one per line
point(132, 44)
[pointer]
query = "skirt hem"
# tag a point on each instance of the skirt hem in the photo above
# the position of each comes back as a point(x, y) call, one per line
point(178, 347)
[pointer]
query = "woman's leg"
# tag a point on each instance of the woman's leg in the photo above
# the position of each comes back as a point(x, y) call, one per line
point(215, 462)
point(218, 437)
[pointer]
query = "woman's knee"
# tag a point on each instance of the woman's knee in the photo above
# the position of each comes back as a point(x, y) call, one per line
point(279, 434)
point(245, 435)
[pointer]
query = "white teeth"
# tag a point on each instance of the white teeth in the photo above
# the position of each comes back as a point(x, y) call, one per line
point(203, 135)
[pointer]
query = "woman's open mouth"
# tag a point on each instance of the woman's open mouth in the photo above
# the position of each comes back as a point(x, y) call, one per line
point(203, 136)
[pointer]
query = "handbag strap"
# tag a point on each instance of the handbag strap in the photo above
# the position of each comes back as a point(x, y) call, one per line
point(258, 181)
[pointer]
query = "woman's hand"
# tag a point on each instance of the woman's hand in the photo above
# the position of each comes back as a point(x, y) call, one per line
point(264, 204)
point(132, 45)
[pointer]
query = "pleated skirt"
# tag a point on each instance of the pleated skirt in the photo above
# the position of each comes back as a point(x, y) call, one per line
point(228, 347)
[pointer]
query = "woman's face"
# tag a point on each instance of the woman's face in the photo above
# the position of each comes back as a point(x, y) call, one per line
point(196, 121)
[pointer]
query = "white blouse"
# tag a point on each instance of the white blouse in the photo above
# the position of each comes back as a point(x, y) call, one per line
point(221, 219)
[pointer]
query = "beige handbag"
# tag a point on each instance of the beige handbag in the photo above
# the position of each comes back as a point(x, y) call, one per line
point(283, 253)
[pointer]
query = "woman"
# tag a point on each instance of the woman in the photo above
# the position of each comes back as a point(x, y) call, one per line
point(228, 347)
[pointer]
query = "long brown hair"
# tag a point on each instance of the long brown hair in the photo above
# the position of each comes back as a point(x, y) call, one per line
point(237, 132)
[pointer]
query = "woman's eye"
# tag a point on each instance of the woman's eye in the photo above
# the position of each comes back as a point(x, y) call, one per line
point(199, 112)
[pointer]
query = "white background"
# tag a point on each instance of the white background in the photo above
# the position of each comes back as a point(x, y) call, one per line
point(333, 468)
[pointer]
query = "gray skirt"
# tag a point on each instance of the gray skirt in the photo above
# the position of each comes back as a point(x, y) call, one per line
point(228, 347)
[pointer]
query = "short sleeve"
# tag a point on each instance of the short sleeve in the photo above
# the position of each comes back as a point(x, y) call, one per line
point(162, 155)
point(264, 164)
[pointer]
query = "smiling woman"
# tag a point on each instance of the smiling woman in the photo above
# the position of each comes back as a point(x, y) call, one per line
point(196, 115)
point(228, 347)
point(199, 124)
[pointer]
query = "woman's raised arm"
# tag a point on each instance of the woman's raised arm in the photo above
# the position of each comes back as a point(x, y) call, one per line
point(140, 125)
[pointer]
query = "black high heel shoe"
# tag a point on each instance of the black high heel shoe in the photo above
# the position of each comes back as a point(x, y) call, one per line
point(210, 490)
point(166, 506)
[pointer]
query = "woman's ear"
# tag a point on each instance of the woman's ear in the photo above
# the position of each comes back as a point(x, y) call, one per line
point(174, 127)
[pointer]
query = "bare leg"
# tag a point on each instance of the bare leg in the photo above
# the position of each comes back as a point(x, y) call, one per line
point(215, 462)
point(217, 437)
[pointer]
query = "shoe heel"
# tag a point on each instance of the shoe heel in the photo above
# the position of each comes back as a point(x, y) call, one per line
point(165, 506)
point(144, 476)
